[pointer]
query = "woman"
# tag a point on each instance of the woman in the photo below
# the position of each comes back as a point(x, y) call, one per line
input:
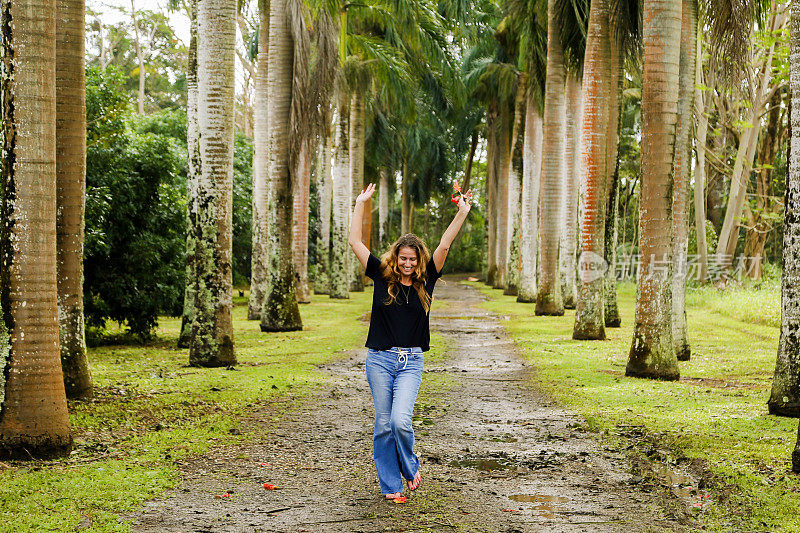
point(398, 335)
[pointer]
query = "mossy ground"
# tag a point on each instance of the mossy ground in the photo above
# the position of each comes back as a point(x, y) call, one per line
point(717, 412)
point(151, 409)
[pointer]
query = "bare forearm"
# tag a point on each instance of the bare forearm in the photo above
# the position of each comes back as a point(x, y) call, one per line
point(355, 224)
point(452, 230)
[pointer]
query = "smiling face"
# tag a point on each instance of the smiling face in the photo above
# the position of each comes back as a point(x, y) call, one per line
point(407, 260)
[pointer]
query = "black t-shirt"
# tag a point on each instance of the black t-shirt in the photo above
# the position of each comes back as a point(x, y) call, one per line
point(400, 324)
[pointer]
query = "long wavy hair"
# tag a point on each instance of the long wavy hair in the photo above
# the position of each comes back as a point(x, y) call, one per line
point(390, 269)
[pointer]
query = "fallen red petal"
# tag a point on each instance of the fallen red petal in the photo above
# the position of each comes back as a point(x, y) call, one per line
point(270, 486)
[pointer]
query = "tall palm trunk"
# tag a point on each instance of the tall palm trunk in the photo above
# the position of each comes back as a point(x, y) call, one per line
point(325, 188)
point(701, 136)
point(531, 172)
point(383, 207)
point(258, 258)
point(357, 134)
point(491, 194)
point(281, 311)
point(71, 182)
point(597, 87)
point(680, 202)
point(515, 170)
point(652, 353)
point(611, 315)
point(502, 226)
point(33, 404)
point(212, 328)
point(548, 296)
point(192, 171)
point(784, 398)
point(569, 229)
point(300, 226)
point(340, 255)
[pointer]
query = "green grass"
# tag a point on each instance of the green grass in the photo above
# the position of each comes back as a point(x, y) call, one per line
point(718, 415)
point(151, 409)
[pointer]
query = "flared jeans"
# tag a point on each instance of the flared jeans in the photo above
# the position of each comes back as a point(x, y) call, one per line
point(394, 377)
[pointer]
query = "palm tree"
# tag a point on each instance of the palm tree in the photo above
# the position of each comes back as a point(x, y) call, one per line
point(515, 172)
point(597, 88)
point(212, 326)
point(569, 233)
point(548, 297)
point(33, 419)
point(281, 311)
point(532, 165)
point(680, 203)
point(356, 170)
point(71, 183)
point(784, 398)
point(340, 217)
point(258, 265)
point(652, 352)
point(324, 188)
point(300, 228)
point(192, 171)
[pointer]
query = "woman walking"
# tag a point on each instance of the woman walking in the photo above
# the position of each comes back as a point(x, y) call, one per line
point(398, 335)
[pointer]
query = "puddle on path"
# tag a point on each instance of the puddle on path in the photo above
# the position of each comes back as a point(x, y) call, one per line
point(543, 505)
point(487, 465)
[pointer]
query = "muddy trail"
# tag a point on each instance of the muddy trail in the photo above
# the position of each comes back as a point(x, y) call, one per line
point(496, 455)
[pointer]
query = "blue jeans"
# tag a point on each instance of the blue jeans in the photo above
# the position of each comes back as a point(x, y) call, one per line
point(394, 376)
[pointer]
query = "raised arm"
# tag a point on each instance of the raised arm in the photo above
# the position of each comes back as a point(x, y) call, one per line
point(440, 254)
point(361, 251)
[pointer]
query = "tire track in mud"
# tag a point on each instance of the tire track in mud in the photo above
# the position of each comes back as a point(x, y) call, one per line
point(496, 455)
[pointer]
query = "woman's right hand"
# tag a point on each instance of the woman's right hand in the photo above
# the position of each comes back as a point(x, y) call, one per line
point(366, 194)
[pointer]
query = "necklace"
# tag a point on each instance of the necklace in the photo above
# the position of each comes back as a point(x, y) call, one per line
point(406, 294)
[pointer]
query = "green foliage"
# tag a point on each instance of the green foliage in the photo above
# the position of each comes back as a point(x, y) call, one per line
point(135, 229)
point(242, 209)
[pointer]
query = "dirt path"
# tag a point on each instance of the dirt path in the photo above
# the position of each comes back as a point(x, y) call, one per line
point(496, 456)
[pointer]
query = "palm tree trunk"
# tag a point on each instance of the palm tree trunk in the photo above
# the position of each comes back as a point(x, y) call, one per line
point(491, 194)
point(324, 186)
point(212, 329)
point(383, 207)
point(652, 352)
point(502, 160)
point(340, 254)
point(531, 173)
point(258, 258)
point(784, 399)
point(680, 202)
point(192, 171)
point(357, 134)
point(597, 87)
point(280, 312)
point(569, 233)
point(300, 226)
point(71, 183)
point(548, 297)
point(33, 403)
point(611, 315)
point(700, 168)
point(515, 170)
